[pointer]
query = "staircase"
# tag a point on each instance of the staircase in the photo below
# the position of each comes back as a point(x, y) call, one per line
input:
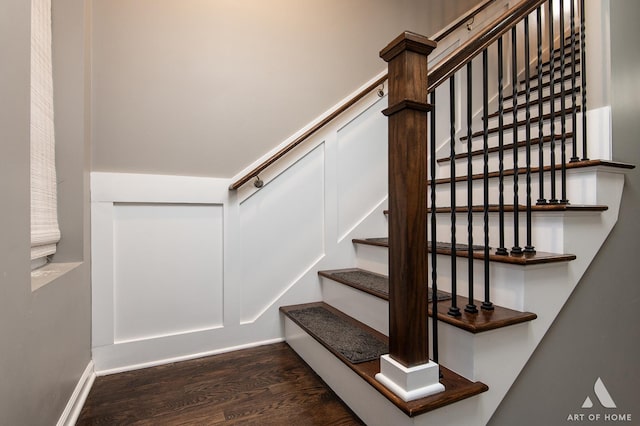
point(479, 351)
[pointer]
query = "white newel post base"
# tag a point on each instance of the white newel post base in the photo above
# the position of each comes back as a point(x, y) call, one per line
point(409, 383)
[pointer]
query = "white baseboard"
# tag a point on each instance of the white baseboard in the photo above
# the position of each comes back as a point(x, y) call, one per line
point(78, 397)
point(154, 363)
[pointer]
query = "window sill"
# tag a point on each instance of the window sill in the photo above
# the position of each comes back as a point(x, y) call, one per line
point(50, 272)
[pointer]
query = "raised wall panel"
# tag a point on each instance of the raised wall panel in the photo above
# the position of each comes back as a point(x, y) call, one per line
point(362, 166)
point(282, 233)
point(168, 269)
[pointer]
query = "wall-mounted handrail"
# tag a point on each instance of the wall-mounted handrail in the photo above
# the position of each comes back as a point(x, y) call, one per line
point(462, 20)
point(444, 69)
point(253, 174)
point(289, 147)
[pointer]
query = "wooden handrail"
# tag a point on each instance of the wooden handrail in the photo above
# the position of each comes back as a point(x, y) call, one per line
point(281, 153)
point(444, 69)
point(440, 35)
point(350, 102)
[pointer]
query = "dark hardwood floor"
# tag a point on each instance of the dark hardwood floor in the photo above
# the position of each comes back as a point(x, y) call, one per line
point(267, 385)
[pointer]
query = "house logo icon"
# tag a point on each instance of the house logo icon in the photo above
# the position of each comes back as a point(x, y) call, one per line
point(599, 407)
point(602, 394)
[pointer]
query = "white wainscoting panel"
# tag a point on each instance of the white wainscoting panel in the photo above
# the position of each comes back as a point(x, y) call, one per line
point(182, 267)
point(168, 269)
point(362, 166)
point(282, 233)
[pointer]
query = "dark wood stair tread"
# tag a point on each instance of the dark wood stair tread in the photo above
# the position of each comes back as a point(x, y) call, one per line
point(537, 258)
point(522, 170)
point(494, 208)
point(457, 388)
point(473, 323)
point(506, 147)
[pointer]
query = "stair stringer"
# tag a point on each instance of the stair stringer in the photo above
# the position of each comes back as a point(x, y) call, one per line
point(546, 288)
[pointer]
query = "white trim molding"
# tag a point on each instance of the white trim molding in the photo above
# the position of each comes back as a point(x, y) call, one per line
point(409, 383)
point(78, 397)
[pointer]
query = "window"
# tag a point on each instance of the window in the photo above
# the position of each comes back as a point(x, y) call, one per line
point(45, 232)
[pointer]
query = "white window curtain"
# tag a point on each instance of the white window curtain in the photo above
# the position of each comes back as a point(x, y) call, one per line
point(45, 232)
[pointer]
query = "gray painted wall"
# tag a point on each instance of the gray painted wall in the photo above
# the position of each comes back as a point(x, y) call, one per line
point(45, 334)
point(597, 334)
point(204, 88)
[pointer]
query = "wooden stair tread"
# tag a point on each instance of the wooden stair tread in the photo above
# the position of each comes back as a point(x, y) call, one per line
point(473, 323)
point(537, 258)
point(522, 170)
point(505, 147)
point(494, 208)
point(457, 387)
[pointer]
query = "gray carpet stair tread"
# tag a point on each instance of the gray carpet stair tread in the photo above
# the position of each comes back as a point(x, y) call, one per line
point(339, 333)
point(370, 282)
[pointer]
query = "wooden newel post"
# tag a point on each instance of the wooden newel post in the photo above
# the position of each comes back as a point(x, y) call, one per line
point(407, 112)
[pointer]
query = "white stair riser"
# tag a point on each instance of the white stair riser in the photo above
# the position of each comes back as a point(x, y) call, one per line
point(557, 88)
point(533, 70)
point(372, 258)
point(578, 184)
point(534, 110)
point(557, 74)
point(504, 278)
point(358, 304)
point(546, 232)
point(477, 163)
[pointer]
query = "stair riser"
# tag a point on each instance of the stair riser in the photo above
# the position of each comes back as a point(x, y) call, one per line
point(557, 88)
point(504, 278)
point(577, 189)
point(546, 65)
point(533, 110)
point(546, 230)
point(557, 70)
point(461, 164)
point(371, 258)
point(371, 310)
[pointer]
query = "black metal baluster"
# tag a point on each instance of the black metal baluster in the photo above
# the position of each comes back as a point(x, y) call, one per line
point(501, 250)
point(434, 253)
point(583, 81)
point(486, 304)
point(516, 249)
point(563, 114)
point(471, 307)
point(552, 100)
point(574, 103)
point(527, 75)
point(453, 309)
point(541, 199)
